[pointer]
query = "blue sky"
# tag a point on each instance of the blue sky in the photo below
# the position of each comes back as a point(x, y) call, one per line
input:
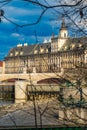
point(24, 13)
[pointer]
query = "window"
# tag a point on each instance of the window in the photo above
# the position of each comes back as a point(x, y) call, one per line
point(16, 53)
point(11, 54)
point(72, 46)
point(35, 51)
point(21, 53)
point(80, 45)
point(85, 58)
point(64, 34)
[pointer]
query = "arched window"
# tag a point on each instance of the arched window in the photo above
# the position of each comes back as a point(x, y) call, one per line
point(65, 35)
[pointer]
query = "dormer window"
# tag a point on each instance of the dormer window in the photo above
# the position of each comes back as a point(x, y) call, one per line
point(46, 50)
point(65, 48)
point(21, 53)
point(72, 46)
point(41, 49)
point(35, 51)
point(11, 54)
point(86, 56)
point(16, 53)
point(80, 45)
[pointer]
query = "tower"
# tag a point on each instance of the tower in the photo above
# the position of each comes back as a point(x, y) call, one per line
point(58, 42)
point(63, 31)
point(63, 35)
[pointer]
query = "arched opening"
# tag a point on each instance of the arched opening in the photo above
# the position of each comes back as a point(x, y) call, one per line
point(7, 90)
point(52, 81)
point(12, 80)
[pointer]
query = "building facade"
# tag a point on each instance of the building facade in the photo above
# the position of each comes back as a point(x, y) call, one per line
point(2, 67)
point(61, 52)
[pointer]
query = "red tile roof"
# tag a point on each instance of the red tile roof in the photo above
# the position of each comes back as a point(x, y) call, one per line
point(1, 63)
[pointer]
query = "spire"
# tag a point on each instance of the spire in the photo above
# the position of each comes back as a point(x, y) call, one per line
point(52, 35)
point(63, 23)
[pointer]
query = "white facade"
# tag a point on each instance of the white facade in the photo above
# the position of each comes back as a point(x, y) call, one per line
point(57, 43)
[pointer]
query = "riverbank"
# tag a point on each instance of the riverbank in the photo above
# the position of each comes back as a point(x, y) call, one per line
point(36, 113)
point(23, 114)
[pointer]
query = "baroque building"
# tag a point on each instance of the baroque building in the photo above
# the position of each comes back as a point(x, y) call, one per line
point(61, 52)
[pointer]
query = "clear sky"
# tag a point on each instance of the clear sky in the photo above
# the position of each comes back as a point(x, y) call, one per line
point(21, 13)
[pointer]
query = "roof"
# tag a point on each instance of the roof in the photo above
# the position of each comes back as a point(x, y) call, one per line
point(75, 43)
point(70, 44)
point(1, 63)
point(30, 49)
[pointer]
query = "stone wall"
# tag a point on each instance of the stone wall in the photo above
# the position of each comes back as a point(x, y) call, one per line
point(73, 115)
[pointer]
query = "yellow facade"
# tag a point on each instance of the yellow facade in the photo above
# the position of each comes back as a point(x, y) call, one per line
point(61, 53)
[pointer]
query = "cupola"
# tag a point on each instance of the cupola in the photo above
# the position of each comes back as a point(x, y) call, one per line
point(63, 30)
